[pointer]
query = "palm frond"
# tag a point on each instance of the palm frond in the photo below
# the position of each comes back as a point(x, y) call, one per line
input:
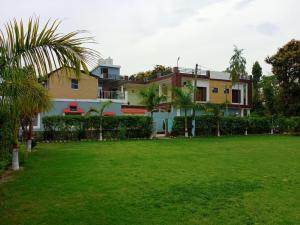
point(44, 48)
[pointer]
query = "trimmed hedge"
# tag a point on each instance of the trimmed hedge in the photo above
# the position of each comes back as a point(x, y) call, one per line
point(79, 127)
point(206, 125)
point(5, 139)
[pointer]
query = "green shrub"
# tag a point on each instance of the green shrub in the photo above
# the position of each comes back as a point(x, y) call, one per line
point(206, 125)
point(178, 126)
point(5, 137)
point(259, 125)
point(79, 127)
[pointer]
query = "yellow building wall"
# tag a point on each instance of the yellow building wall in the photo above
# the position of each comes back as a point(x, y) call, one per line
point(133, 91)
point(220, 97)
point(59, 85)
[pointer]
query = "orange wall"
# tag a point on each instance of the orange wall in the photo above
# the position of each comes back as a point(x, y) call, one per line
point(59, 85)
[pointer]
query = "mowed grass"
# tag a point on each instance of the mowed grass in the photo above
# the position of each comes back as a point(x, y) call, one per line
point(227, 180)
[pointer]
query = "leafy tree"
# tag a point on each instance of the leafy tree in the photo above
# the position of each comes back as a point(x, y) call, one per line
point(183, 99)
point(257, 74)
point(100, 112)
point(42, 48)
point(150, 99)
point(286, 68)
point(152, 74)
point(237, 66)
point(270, 94)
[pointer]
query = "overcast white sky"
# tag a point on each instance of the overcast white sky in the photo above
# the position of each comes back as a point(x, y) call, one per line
point(139, 34)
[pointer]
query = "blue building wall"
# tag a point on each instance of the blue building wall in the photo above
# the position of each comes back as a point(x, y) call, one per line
point(59, 106)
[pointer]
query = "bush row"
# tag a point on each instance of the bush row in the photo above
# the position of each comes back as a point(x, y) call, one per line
point(78, 127)
point(5, 138)
point(207, 125)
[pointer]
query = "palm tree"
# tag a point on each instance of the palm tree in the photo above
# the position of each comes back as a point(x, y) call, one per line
point(42, 48)
point(150, 99)
point(100, 112)
point(13, 89)
point(183, 99)
point(35, 101)
point(217, 110)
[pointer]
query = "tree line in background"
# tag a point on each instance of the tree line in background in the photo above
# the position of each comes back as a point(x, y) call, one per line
point(278, 94)
point(158, 70)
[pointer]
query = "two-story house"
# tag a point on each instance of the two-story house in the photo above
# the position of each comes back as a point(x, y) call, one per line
point(76, 95)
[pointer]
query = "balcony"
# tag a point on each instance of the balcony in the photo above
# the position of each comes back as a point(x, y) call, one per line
point(114, 96)
point(110, 76)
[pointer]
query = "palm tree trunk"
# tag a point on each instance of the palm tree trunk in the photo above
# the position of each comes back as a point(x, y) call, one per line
point(186, 133)
point(100, 132)
point(29, 136)
point(15, 150)
point(218, 128)
point(153, 132)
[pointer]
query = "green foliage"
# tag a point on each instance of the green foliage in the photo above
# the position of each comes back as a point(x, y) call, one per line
point(256, 73)
point(237, 67)
point(158, 70)
point(286, 68)
point(5, 136)
point(78, 127)
point(269, 87)
point(43, 47)
point(257, 106)
point(179, 126)
point(150, 98)
point(206, 125)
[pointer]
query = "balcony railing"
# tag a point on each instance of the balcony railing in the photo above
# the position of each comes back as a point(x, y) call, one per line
point(114, 95)
point(111, 76)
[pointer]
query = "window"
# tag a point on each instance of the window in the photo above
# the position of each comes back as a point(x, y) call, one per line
point(74, 84)
point(215, 90)
point(36, 121)
point(201, 94)
point(236, 96)
point(226, 91)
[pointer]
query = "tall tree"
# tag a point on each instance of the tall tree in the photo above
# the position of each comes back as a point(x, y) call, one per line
point(36, 100)
point(151, 99)
point(42, 48)
point(237, 67)
point(286, 68)
point(257, 74)
point(270, 93)
point(183, 99)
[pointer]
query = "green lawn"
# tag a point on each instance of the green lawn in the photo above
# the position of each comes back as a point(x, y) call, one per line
point(228, 180)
